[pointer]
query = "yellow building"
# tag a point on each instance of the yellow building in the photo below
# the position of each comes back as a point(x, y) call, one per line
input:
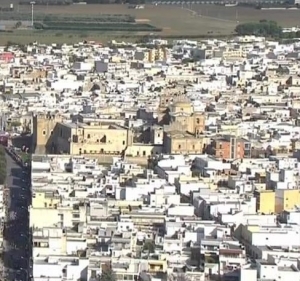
point(156, 55)
point(184, 133)
point(286, 199)
point(183, 112)
point(178, 142)
point(45, 199)
point(90, 138)
point(143, 150)
point(228, 53)
point(159, 265)
point(174, 109)
point(265, 201)
point(43, 126)
point(51, 135)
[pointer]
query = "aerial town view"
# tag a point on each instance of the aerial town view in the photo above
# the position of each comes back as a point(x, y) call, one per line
point(149, 140)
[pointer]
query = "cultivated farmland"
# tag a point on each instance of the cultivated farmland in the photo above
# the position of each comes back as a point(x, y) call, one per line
point(179, 20)
point(163, 20)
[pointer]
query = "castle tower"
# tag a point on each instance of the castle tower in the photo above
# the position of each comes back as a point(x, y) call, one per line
point(43, 126)
point(163, 109)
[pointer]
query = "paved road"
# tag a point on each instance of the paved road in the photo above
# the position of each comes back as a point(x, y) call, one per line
point(17, 243)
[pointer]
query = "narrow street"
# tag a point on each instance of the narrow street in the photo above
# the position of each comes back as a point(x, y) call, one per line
point(17, 242)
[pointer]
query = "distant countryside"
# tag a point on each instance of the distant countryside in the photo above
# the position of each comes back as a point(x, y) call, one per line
point(66, 21)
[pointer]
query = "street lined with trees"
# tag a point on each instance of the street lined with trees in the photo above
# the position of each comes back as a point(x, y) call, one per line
point(2, 165)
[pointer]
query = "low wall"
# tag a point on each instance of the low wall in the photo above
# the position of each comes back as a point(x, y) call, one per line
point(108, 159)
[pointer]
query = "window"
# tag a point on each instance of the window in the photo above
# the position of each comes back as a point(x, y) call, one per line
point(179, 146)
point(44, 132)
point(144, 153)
point(103, 139)
point(158, 135)
point(88, 136)
point(123, 142)
point(198, 120)
point(51, 132)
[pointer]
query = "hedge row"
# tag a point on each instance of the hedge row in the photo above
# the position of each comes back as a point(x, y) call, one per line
point(50, 17)
point(96, 27)
point(93, 24)
point(100, 18)
point(46, 2)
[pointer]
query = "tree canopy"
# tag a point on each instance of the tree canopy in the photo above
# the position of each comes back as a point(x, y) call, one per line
point(262, 28)
point(149, 246)
point(2, 165)
point(107, 274)
point(178, 277)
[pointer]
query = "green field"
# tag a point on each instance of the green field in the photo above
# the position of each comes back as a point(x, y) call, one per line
point(172, 20)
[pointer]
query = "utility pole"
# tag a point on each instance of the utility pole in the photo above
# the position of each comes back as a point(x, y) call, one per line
point(32, 4)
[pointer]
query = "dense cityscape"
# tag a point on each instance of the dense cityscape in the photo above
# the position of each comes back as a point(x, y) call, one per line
point(162, 161)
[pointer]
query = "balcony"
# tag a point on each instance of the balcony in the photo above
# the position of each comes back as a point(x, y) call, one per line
point(157, 266)
point(211, 258)
point(231, 252)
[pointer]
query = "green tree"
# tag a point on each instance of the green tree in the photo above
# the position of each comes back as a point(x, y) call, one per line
point(149, 246)
point(152, 162)
point(18, 24)
point(107, 274)
point(15, 124)
point(2, 165)
point(262, 28)
point(178, 277)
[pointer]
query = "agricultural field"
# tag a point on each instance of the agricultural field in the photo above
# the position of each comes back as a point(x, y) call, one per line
point(173, 20)
point(162, 20)
point(239, 14)
point(181, 20)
